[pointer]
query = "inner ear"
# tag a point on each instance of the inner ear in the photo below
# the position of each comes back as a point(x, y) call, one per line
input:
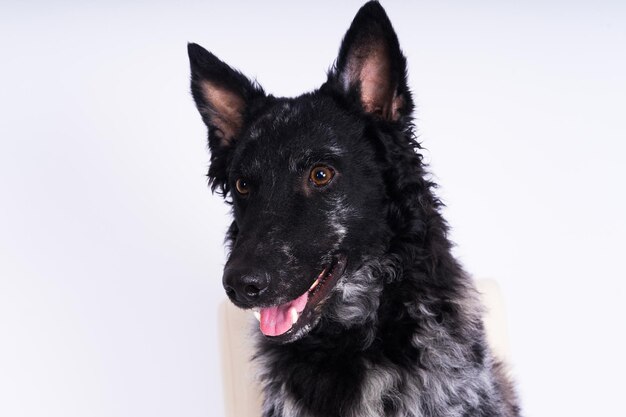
point(222, 95)
point(369, 69)
point(224, 108)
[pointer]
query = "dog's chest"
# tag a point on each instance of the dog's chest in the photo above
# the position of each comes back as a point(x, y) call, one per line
point(359, 388)
point(354, 388)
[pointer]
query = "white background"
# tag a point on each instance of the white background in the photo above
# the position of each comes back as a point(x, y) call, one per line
point(111, 244)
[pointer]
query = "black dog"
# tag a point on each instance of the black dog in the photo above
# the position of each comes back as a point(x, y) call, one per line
point(339, 242)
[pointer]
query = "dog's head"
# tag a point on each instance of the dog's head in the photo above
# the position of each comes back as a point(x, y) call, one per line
point(308, 178)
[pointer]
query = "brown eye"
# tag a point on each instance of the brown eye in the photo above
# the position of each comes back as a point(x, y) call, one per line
point(321, 175)
point(242, 186)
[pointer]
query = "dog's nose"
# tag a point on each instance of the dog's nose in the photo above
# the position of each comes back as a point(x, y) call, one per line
point(244, 286)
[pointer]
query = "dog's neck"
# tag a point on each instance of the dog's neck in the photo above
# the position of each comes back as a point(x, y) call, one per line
point(361, 364)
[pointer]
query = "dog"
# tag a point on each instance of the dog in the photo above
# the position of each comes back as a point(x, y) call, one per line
point(339, 244)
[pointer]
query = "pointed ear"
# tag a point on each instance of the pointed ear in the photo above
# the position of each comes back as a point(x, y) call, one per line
point(222, 95)
point(371, 67)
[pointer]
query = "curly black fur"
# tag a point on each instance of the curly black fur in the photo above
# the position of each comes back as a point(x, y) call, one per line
point(400, 332)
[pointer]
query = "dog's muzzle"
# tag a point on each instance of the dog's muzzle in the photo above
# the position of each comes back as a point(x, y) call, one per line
point(244, 287)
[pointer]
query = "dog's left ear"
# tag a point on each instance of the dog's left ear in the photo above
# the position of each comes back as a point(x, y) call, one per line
point(371, 68)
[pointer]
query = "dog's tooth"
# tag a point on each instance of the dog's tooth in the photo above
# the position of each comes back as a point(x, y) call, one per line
point(317, 281)
point(257, 315)
point(294, 315)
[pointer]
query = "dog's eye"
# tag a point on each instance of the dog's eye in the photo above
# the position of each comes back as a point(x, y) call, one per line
point(242, 187)
point(321, 175)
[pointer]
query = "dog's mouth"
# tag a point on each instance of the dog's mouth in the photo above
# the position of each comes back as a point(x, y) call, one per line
point(290, 321)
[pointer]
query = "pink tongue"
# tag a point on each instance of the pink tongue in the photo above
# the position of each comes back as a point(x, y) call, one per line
point(277, 320)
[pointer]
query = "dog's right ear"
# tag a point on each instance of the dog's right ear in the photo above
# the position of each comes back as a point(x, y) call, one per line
point(223, 96)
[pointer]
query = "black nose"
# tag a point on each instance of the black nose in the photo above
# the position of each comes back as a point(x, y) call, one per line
point(244, 286)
